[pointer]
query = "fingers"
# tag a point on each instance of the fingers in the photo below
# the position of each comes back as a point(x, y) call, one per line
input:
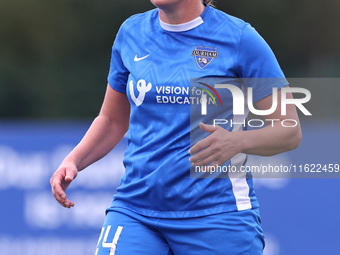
point(207, 128)
point(67, 203)
point(204, 142)
point(214, 149)
point(57, 184)
point(205, 161)
point(71, 174)
point(207, 156)
point(202, 154)
point(57, 191)
point(59, 181)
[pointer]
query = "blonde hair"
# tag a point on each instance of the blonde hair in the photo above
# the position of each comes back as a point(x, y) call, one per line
point(210, 2)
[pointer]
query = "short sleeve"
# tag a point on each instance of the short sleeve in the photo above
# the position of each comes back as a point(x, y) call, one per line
point(118, 74)
point(257, 65)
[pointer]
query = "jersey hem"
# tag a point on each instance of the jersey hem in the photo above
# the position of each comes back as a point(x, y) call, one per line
point(180, 214)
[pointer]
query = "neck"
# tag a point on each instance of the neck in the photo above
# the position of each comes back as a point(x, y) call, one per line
point(181, 12)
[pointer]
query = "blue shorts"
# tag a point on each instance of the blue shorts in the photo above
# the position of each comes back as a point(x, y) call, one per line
point(127, 233)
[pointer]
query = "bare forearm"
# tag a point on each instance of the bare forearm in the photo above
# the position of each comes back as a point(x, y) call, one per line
point(270, 140)
point(103, 135)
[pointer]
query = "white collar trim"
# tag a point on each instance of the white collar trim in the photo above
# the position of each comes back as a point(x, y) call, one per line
point(182, 27)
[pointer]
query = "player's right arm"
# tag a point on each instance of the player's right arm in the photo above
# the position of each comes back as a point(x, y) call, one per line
point(103, 135)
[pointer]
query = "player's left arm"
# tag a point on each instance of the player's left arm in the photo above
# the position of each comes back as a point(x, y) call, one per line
point(221, 145)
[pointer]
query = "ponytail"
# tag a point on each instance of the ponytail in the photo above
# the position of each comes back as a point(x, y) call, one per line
point(210, 2)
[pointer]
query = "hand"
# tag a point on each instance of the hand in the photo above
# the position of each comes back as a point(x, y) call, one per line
point(217, 148)
point(60, 180)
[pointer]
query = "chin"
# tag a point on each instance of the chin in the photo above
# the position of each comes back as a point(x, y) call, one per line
point(164, 3)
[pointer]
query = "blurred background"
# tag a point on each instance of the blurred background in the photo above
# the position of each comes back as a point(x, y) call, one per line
point(54, 60)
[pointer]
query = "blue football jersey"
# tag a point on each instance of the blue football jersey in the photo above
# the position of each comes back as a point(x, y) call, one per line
point(157, 65)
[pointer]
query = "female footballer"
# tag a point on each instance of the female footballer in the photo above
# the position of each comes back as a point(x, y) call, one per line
point(160, 59)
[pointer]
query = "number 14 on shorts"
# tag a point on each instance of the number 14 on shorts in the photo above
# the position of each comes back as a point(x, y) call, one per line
point(114, 242)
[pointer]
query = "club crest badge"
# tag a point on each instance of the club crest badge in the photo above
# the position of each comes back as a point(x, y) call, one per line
point(204, 55)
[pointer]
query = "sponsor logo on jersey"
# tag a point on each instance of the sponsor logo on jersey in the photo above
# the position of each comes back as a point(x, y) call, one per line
point(142, 88)
point(204, 55)
point(136, 59)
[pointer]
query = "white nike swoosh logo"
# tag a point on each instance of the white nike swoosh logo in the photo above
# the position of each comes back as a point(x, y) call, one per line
point(139, 59)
